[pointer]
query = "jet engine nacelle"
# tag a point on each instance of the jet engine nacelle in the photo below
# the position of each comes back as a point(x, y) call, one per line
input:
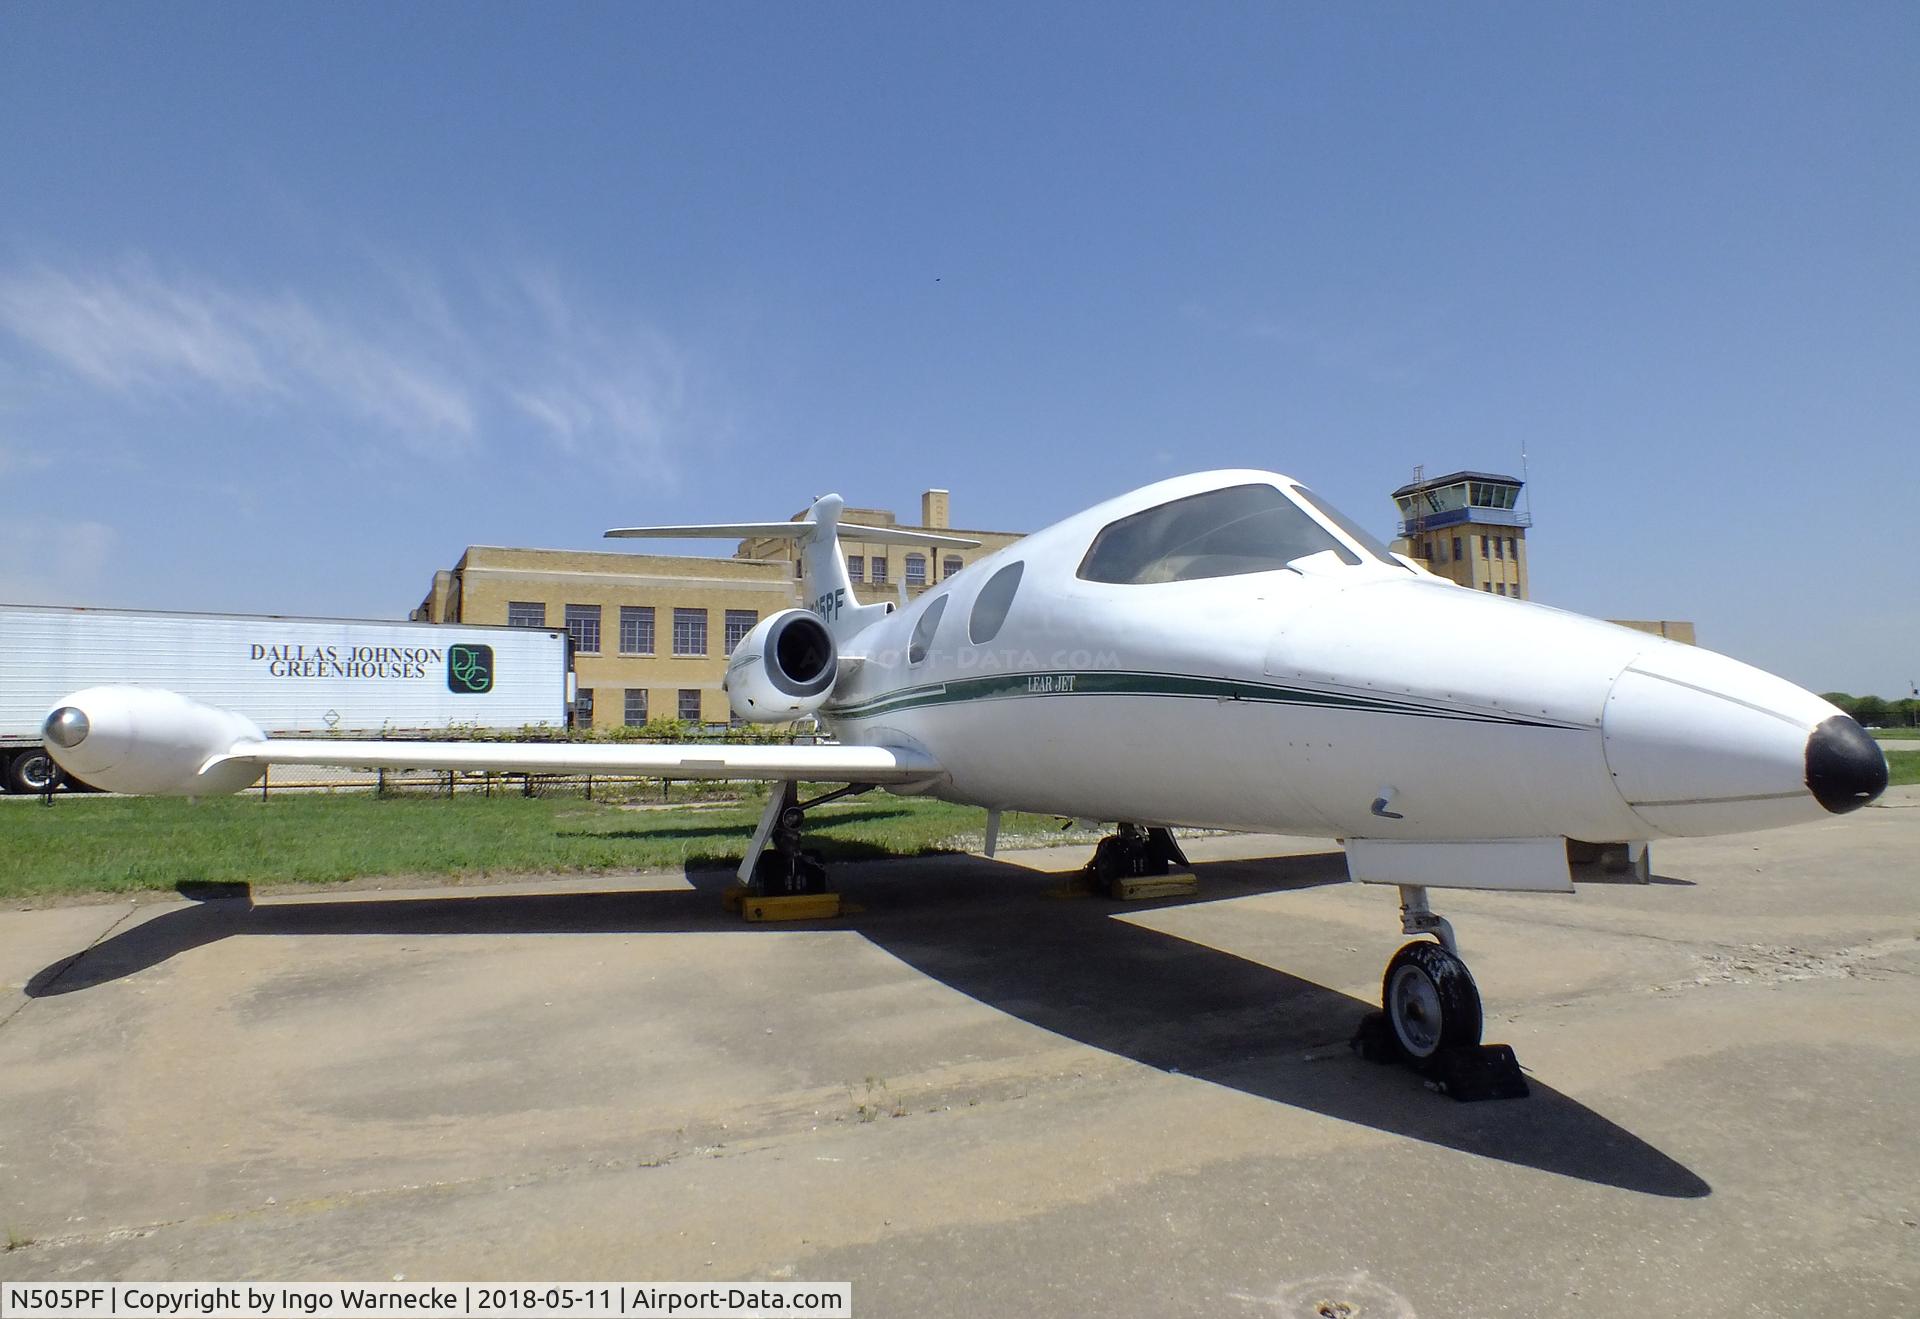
point(783, 669)
point(149, 741)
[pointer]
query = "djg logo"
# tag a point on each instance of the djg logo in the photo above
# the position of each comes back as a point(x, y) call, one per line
point(469, 669)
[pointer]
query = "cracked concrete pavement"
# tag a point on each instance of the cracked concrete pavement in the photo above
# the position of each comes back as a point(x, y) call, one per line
point(971, 1095)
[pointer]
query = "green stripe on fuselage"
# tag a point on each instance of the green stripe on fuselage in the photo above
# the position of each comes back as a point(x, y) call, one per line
point(1015, 686)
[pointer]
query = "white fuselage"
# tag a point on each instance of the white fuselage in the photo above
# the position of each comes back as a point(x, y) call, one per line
point(1347, 700)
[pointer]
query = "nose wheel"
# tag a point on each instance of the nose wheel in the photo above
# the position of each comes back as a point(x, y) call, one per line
point(1431, 1001)
point(1430, 1016)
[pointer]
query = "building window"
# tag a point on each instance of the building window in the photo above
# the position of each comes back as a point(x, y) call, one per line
point(583, 707)
point(1485, 551)
point(690, 704)
point(1513, 547)
point(583, 625)
point(879, 570)
point(950, 565)
point(1456, 549)
point(916, 570)
point(1499, 547)
point(739, 623)
point(689, 631)
point(857, 567)
point(1499, 588)
point(636, 706)
point(636, 629)
point(1487, 587)
point(526, 613)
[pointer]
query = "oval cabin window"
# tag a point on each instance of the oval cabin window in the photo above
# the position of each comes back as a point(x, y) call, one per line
point(991, 605)
point(923, 631)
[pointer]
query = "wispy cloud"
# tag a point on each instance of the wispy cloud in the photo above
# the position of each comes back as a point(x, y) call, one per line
point(408, 357)
point(614, 400)
point(16, 458)
point(49, 561)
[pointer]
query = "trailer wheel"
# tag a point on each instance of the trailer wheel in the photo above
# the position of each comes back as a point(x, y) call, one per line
point(33, 770)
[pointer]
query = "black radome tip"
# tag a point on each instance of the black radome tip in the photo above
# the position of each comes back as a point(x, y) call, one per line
point(1845, 768)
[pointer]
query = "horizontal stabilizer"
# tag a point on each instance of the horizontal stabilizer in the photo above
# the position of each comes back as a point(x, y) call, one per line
point(682, 760)
point(793, 531)
point(718, 531)
point(903, 536)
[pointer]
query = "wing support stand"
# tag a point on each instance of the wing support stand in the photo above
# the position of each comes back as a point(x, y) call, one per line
point(1133, 864)
point(779, 879)
point(1430, 1015)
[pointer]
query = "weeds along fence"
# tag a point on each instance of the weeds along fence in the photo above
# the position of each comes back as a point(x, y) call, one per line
point(306, 779)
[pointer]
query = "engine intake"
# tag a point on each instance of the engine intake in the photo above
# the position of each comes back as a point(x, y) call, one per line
point(783, 669)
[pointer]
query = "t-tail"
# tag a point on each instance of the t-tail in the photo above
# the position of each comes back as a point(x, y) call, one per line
point(824, 585)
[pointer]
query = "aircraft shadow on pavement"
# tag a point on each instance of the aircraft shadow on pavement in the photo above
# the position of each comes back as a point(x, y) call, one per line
point(989, 930)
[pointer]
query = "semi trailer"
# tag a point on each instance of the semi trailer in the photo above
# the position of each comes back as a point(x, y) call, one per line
point(305, 677)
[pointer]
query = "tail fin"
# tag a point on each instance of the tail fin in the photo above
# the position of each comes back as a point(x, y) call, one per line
point(824, 584)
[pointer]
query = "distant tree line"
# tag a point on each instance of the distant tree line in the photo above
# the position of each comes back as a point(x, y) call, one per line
point(1878, 712)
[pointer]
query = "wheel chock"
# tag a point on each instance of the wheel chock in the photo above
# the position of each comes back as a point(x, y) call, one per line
point(1474, 1072)
point(1176, 883)
point(790, 907)
point(1373, 1040)
point(732, 896)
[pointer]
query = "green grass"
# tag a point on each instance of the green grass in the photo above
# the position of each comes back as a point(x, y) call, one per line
point(1897, 734)
point(115, 845)
point(1905, 766)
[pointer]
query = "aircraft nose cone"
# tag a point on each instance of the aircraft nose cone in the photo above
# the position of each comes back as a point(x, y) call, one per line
point(1845, 769)
point(1701, 744)
point(68, 727)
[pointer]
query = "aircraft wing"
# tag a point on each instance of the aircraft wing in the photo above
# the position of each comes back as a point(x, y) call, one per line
point(712, 760)
point(152, 742)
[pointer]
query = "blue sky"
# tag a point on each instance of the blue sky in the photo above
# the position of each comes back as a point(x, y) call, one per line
point(296, 301)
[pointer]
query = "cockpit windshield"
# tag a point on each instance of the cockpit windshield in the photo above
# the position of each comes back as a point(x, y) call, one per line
point(1221, 533)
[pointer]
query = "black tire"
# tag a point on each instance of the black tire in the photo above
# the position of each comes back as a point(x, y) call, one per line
point(1430, 1000)
point(33, 770)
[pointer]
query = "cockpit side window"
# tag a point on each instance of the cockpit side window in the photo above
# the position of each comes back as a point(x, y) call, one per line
point(1221, 533)
point(1365, 539)
point(923, 631)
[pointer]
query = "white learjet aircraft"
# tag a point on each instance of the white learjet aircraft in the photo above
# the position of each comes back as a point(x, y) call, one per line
point(1221, 650)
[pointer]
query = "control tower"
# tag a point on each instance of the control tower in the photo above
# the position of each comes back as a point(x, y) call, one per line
point(1466, 526)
